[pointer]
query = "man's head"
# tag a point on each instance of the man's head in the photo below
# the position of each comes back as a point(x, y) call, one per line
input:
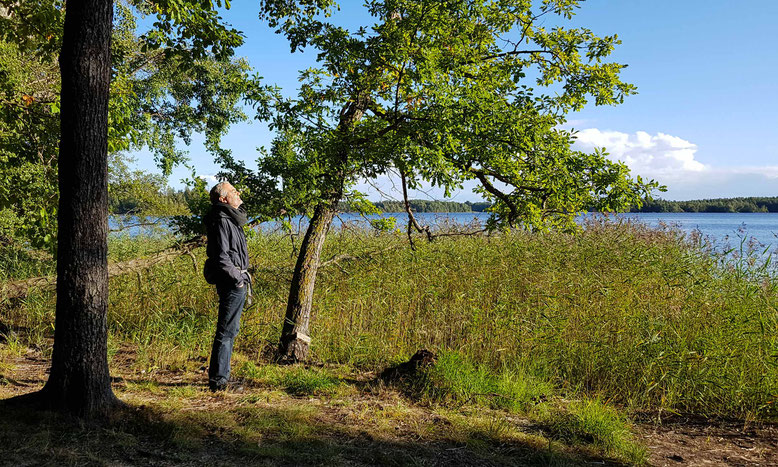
point(224, 192)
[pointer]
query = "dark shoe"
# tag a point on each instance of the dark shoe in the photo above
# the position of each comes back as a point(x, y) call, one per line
point(214, 387)
point(231, 386)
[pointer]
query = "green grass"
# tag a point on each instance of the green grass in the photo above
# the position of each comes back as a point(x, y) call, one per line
point(634, 315)
point(453, 380)
point(296, 380)
point(289, 432)
point(590, 421)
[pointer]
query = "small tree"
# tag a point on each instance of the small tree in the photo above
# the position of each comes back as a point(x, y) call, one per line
point(442, 92)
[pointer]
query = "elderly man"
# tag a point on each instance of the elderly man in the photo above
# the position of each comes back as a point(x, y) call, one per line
point(226, 267)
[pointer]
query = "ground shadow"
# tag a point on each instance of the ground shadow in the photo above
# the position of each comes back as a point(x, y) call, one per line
point(141, 435)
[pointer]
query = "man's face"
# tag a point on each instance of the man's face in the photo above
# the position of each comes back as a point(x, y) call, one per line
point(232, 198)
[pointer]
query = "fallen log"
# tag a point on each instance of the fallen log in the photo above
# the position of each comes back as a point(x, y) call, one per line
point(16, 289)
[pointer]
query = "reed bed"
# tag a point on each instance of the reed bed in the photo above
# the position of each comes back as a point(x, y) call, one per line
point(640, 317)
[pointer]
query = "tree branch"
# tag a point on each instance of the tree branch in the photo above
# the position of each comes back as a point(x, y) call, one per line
point(497, 193)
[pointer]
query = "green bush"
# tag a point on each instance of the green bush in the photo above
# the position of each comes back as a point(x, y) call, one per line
point(453, 379)
point(590, 421)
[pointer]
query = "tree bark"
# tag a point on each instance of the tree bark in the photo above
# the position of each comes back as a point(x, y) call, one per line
point(79, 382)
point(295, 340)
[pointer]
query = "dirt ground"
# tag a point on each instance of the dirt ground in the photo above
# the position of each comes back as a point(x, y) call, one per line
point(688, 441)
point(673, 442)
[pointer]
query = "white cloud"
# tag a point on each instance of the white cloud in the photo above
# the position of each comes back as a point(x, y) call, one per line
point(209, 179)
point(672, 161)
point(642, 152)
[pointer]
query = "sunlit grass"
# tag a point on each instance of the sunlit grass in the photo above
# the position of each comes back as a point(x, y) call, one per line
point(590, 421)
point(627, 313)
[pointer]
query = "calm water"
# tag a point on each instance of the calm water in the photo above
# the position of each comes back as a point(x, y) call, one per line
point(729, 228)
point(721, 228)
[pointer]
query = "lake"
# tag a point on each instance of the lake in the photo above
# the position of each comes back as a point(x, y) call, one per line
point(722, 228)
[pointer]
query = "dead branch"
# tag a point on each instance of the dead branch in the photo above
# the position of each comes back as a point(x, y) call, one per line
point(411, 218)
point(20, 288)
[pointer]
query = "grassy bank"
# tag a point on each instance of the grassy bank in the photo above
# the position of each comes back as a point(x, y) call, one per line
point(621, 314)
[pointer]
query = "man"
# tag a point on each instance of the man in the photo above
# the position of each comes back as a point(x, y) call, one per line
point(226, 267)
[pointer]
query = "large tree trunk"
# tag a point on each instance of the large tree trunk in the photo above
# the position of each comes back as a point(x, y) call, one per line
point(295, 340)
point(79, 382)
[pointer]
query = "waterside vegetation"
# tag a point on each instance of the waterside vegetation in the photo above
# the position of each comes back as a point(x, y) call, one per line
point(622, 320)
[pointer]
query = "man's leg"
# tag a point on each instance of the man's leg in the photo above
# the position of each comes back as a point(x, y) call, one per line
point(230, 308)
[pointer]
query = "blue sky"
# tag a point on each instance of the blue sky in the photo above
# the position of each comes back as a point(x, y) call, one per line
point(704, 121)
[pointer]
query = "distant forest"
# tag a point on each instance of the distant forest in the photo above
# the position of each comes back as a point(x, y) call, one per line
point(701, 205)
point(173, 202)
point(712, 205)
point(423, 205)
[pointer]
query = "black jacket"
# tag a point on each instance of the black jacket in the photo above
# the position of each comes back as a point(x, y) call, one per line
point(227, 251)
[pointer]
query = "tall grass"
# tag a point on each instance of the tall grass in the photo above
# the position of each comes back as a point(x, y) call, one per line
point(631, 314)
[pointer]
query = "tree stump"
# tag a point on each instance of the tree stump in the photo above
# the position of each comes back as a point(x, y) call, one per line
point(420, 361)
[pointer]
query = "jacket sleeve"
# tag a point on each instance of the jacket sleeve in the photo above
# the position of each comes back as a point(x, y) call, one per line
point(223, 259)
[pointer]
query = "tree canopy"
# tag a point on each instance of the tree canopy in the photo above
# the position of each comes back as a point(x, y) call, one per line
point(445, 92)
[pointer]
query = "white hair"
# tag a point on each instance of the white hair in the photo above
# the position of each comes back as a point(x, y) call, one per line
point(219, 191)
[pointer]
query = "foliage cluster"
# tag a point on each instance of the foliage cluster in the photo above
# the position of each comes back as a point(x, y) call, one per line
point(164, 88)
point(139, 193)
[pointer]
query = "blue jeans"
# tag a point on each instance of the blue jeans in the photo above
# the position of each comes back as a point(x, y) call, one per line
point(231, 301)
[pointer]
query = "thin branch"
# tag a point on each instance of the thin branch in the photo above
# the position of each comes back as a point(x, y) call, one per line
point(499, 194)
point(411, 218)
point(516, 52)
point(366, 139)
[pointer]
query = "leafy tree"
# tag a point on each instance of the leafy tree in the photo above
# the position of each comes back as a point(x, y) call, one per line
point(140, 194)
point(79, 381)
point(165, 85)
point(442, 92)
